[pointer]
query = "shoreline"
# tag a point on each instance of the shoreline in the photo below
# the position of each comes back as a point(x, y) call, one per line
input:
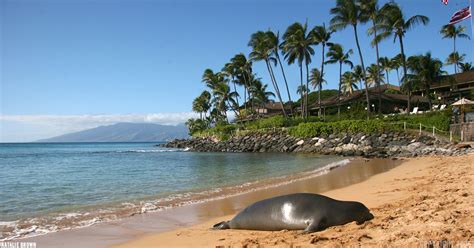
point(422, 199)
point(117, 211)
point(126, 229)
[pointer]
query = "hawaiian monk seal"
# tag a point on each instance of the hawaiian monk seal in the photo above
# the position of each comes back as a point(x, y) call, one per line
point(302, 211)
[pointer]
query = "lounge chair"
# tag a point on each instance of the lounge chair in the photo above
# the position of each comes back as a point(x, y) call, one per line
point(415, 110)
point(442, 107)
point(435, 107)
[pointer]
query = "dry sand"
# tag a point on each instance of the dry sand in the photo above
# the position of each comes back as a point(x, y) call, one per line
point(423, 199)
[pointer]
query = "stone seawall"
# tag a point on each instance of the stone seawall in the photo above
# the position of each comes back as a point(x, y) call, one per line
point(367, 145)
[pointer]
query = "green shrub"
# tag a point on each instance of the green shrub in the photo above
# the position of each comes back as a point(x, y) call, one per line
point(196, 125)
point(221, 131)
point(439, 119)
point(307, 130)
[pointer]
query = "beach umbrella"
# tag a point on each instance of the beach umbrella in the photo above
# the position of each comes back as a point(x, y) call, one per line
point(463, 101)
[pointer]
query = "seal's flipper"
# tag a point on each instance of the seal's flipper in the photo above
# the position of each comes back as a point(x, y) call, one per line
point(221, 225)
point(315, 226)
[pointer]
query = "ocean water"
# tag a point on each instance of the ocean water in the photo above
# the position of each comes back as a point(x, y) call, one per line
point(46, 187)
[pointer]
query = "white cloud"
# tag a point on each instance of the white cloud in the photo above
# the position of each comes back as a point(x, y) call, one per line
point(23, 128)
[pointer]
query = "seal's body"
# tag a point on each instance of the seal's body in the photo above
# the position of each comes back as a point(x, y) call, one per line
point(302, 211)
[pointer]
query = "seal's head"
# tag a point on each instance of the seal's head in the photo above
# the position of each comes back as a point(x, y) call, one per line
point(362, 213)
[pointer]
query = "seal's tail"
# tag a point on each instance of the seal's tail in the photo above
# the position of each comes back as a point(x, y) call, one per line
point(221, 225)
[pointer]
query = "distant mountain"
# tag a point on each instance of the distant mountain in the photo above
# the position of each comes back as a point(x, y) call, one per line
point(125, 132)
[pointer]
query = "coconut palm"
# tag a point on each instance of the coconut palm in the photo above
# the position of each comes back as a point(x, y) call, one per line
point(296, 46)
point(348, 13)
point(336, 54)
point(316, 80)
point(386, 65)
point(260, 95)
point(274, 41)
point(209, 78)
point(466, 67)
point(224, 98)
point(202, 103)
point(455, 59)
point(370, 12)
point(373, 74)
point(396, 64)
point(301, 89)
point(423, 71)
point(453, 32)
point(320, 35)
point(348, 82)
point(230, 71)
point(394, 23)
point(262, 50)
point(238, 70)
point(358, 75)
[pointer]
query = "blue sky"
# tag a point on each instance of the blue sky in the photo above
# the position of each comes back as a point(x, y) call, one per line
point(71, 60)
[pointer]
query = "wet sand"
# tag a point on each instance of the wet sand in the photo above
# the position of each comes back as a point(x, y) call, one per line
point(116, 232)
point(423, 199)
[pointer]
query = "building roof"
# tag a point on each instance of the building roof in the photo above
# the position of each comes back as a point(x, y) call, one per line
point(360, 96)
point(448, 80)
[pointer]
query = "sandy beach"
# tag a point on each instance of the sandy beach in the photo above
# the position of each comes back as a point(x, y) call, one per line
point(422, 200)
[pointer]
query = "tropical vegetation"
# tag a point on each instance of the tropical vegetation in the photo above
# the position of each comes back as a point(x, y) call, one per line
point(301, 45)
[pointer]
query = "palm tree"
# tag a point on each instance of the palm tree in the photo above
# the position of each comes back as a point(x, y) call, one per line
point(237, 70)
point(260, 95)
point(316, 80)
point(358, 75)
point(466, 67)
point(348, 82)
point(322, 36)
point(373, 74)
point(396, 24)
point(348, 13)
point(301, 89)
point(262, 49)
point(274, 41)
point(202, 103)
point(386, 65)
point(224, 99)
point(229, 71)
point(370, 12)
point(396, 64)
point(209, 78)
point(297, 47)
point(455, 59)
point(451, 31)
point(423, 71)
point(336, 54)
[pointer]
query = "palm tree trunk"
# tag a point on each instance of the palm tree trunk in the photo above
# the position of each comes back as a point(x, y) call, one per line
point(286, 83)
point(404, 63)
point(339, 91)
point(306, 92)
point(235, 89)
point(247, 85)
point(275, 86)
point(379, 95)
point(278, 89)
point(398, 77)
point(363, 70)
point(455, 65)
point(301, 92)
point(320, 82)
point(388, 82)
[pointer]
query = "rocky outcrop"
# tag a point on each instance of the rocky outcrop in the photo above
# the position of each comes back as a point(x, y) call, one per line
point(367, 145)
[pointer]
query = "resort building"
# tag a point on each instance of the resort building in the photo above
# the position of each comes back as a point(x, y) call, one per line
point(450, 88)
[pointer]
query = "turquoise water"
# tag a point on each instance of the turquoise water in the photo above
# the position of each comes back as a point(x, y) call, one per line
point(79, 181)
